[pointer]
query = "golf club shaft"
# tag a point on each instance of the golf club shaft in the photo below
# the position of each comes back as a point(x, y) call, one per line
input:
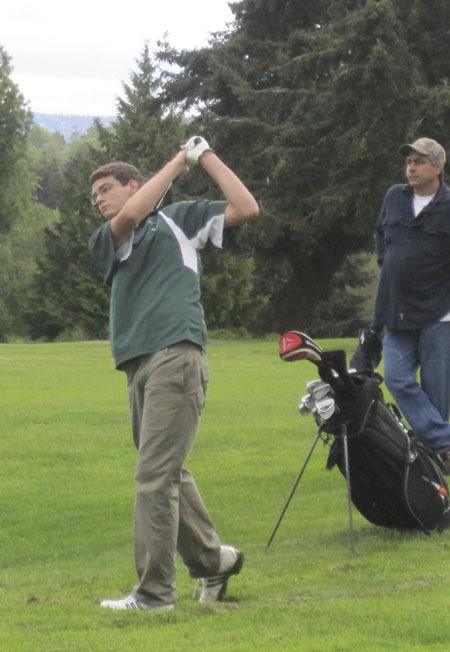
point(163, 196)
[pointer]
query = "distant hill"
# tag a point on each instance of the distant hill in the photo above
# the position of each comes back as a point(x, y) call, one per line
point(69, 126)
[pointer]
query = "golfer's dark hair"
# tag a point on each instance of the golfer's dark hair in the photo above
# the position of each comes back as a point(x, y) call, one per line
point(123, 172)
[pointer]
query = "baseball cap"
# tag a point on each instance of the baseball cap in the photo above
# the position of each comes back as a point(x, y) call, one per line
point(427, 147)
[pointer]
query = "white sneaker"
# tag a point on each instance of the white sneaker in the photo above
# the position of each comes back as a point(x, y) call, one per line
point(130, 602)
point(215, 587)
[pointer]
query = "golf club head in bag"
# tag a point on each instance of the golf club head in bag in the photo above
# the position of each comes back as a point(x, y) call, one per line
point(318, 389)
point(307, 405)
point(319, 402)
point(295, 345)
point(325, 408)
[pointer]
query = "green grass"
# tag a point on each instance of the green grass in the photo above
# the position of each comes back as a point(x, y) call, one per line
point(66, 471)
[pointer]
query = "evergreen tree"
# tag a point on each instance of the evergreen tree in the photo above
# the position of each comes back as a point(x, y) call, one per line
point(348, 306)
point(21, 223)
point(19, 250)
point(47, 153)
point(147, 130)
point(228, 295)
point(427, 24)
point(15, 121)
point(310, 102)
point(68, 298)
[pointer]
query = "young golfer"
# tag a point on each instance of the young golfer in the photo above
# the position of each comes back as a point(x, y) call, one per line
point(158, 338)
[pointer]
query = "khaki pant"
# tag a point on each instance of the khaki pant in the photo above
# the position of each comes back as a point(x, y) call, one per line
point(166, 395)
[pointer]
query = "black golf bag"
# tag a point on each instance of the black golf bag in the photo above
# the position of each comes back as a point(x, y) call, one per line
point(395, 481)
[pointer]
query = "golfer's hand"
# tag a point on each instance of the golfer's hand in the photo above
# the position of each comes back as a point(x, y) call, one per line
point(194, 148)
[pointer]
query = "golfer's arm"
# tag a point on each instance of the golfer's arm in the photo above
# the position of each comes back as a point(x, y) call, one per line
point(242, 205)
point(144, 200)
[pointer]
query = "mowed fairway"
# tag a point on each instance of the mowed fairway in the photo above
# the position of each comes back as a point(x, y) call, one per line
point(66, 495)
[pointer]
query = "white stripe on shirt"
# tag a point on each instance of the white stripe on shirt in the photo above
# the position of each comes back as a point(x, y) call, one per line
point(213, 230)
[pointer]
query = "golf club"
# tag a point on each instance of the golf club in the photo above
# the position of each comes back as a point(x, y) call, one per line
point(325, 408)
point(295, 345)
point(319, 389)
point(158, 205)
point(306, 405)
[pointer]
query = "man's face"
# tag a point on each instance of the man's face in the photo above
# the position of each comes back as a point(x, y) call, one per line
point(422, 175)
point(110, 195)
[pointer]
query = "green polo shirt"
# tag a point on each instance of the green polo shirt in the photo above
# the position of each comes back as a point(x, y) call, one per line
point(155, 277)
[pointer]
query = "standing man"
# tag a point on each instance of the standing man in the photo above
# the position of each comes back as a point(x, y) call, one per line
point(158, 337)
point(413, 301)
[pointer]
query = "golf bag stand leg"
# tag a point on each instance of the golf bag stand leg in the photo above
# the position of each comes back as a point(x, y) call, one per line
point(349, 489)
point(294, 487)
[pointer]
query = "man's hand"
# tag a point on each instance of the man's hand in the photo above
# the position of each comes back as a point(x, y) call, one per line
point(368, 354)
point(242, 205)
point(194, 148)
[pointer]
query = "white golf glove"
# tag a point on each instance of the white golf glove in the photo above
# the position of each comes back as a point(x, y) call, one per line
point(194, 148)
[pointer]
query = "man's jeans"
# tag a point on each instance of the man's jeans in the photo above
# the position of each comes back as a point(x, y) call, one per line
point(425, 405)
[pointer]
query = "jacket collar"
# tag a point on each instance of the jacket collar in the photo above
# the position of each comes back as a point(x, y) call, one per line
point(442, 194)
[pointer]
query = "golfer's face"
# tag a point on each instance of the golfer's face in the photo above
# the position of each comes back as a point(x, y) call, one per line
point(420, 172)
point(110, 196)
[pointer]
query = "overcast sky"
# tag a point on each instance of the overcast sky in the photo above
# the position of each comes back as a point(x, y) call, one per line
point(71, 57)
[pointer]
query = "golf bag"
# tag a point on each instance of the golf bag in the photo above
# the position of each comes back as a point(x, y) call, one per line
point(395, 481)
